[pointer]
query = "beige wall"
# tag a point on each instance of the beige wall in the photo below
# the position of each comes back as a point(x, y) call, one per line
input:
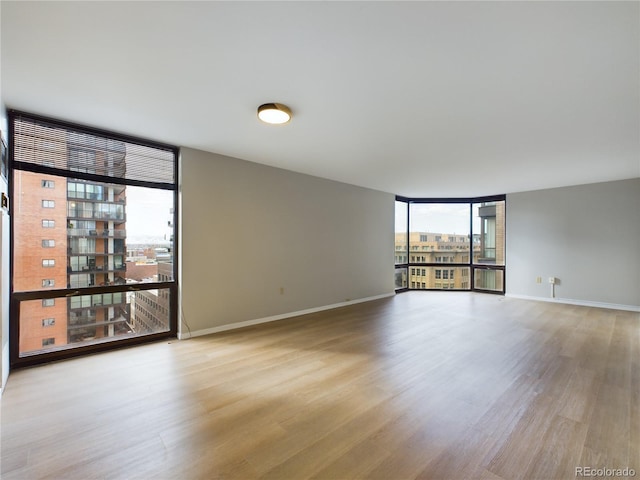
point(249, 230)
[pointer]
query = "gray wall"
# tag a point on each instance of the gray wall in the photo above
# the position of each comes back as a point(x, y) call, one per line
point(588, 236)
point(249, 230)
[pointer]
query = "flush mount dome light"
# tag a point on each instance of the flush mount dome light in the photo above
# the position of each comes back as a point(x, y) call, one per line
point(274, 113)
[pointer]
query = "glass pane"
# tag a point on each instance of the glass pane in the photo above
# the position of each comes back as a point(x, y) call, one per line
point(97, 234)
point(439, 233)
point(489, 231)
point(439, 278)
point(486, 279)
point(402, 211)
point(62, 323)
point(401, 278)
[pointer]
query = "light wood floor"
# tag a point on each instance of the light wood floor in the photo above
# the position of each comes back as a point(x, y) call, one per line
point(423, 385)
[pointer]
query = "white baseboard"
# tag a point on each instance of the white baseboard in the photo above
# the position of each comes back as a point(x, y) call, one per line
point(182, 335)
point(584, 303)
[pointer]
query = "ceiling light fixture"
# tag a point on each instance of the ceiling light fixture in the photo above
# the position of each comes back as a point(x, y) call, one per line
point(274, 113)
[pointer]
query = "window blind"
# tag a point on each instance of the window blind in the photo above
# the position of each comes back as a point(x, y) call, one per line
point(55, 147)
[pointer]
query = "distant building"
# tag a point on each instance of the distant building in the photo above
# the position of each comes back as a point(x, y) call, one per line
point(141, 271)
point(150, 308)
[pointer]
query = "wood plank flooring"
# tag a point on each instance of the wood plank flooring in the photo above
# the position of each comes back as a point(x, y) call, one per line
point(429, 385)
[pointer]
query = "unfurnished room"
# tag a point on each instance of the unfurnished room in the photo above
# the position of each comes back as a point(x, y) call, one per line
point(320, 239)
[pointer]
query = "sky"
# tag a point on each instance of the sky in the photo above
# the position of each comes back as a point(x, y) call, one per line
point(435, 218)
point(148, 214)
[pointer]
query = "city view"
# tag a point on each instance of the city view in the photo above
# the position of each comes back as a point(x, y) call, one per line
point(84, 243)
point(440, 252)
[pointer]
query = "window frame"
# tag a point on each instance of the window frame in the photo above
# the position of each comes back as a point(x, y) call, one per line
point(470, 201)
point(16, 297)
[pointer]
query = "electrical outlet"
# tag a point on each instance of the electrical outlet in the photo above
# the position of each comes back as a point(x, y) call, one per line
point(552, 280)
point(538, 279)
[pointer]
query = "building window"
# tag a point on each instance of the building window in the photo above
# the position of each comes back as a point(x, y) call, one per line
point(48, 204)
point(48, 282)
point(423, 238)
point(438, 273)
point(48, 184)
point(48, 262)
point(48, 223)
point(48, 341)
point(48, 243)
point(445, 274)
point(48, 302)
point(48, 322)
point(451, 274)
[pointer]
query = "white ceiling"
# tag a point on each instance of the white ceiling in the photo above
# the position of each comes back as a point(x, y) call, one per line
point(415, 98)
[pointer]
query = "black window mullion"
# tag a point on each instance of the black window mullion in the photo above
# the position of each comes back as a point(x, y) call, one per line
point(91, 177)
point(471, 277)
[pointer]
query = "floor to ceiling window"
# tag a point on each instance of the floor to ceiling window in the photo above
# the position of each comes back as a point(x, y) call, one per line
point(401, 245)
point(92, 250)
point(450, 244)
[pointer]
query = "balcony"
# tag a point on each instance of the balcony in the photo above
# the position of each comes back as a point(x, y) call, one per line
point(83, 232)
point(83, 252)
point(85, 302)
point(109, 215)
point(487, 211)
point(98, 324)
point(89, 215)
point(114, 210)
point(79, 321)
point(96, 269)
